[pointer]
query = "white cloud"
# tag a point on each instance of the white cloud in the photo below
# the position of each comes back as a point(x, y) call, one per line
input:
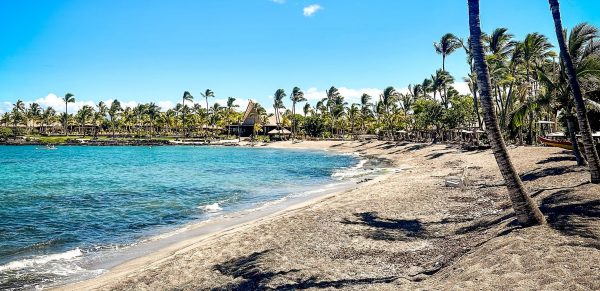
point(310, 10)
point(278, 1)
point(5, 107)
point(165, 105)
point(56, 102)
point(462, 88)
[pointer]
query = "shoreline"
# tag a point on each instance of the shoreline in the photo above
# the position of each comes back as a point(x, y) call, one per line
point(163, 245)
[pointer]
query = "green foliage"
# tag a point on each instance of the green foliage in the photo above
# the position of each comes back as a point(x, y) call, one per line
point(5, 133)
point(314, 126)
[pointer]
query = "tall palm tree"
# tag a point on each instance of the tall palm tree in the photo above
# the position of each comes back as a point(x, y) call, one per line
point(387, 99)
point(353, 112)
point(69, 98)
point(334, 99)
point(114, 110)
point(278, 104)
point(306, 109)
point(365, 110)
point(230, 112)
point(83, 115)
point(47, 117)
point(584, 125)
point(17, 114)
point(34, 114)
point(527, 212)
point(186, 97)
point(153, 112)
point(207, 94)
point(297, 96)
point(448, 44)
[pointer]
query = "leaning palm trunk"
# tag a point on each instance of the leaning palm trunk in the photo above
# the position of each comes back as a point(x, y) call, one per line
point(525, 209)
point(574, 143)
point(584, 125)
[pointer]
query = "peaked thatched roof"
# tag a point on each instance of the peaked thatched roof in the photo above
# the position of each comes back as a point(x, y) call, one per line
point(251, 116)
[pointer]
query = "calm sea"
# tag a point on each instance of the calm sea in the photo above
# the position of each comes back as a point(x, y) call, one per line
point(59, 206)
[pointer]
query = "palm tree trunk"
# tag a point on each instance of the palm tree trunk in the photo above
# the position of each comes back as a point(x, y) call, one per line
point(526, 211)
point(293, 121)
point(66, 119)
point(574, 143)
point(584, 125)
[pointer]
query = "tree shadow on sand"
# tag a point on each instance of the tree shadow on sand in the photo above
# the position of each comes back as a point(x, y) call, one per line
point(253, 275)
point(387, 229)
point(572, 214)
point(556, 159)
point(541, 173)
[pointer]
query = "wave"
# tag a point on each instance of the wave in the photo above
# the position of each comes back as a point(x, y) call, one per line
point(215, 207)
point(41, 260)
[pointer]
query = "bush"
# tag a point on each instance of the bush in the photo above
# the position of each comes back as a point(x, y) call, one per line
point(6, 133)
point(314, 126)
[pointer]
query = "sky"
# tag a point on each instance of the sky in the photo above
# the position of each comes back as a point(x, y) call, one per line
point(140, 51)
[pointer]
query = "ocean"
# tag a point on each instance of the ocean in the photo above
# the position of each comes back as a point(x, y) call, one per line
point(59, 208)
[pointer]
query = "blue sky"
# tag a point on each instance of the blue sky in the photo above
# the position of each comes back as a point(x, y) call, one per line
point(150, 50)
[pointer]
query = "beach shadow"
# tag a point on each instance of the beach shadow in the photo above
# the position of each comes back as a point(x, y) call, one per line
point(541, 190)
point(387, 229)
point(556, 159)
point(313, 282)
point(572, 215)
point(541, 173)
point(436, 155)
point(254, 277)
point(485, 224)
point(249, 270)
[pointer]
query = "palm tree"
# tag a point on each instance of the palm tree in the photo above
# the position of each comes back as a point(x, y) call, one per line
point(306, 109)
point(525, 209)
point(153, 111)
point(83, 115)
point(584, 125)
point(230, 105)
point(207, 93)
point(47, 117)
point(297, 96)
point(186, 97)
point(365, 105)
point(69, 98)
point(278, 104)
point(34, 113)
point(17, 114)
point(353, 112)
point(387, 99)
point(334, 99)
point(114, 110)
point(447, 45)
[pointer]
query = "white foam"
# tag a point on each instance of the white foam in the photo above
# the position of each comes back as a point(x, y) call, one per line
point(215, 207)
point(41, 260)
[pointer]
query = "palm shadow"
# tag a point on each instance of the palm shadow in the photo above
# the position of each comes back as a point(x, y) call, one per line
point(254, 276)
point(572, 215)
point(387, 229)
point(541, 173)
point(556, 159)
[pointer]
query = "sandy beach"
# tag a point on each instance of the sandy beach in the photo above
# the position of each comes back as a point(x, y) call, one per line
point(404, 230)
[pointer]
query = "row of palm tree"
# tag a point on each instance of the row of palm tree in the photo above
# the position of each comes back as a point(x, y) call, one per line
point(526, 210)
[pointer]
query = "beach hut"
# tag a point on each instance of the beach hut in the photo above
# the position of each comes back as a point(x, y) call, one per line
point(280, 134)
point(250, 118)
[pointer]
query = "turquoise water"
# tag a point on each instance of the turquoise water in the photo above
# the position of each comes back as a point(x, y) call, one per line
point(56, 205)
